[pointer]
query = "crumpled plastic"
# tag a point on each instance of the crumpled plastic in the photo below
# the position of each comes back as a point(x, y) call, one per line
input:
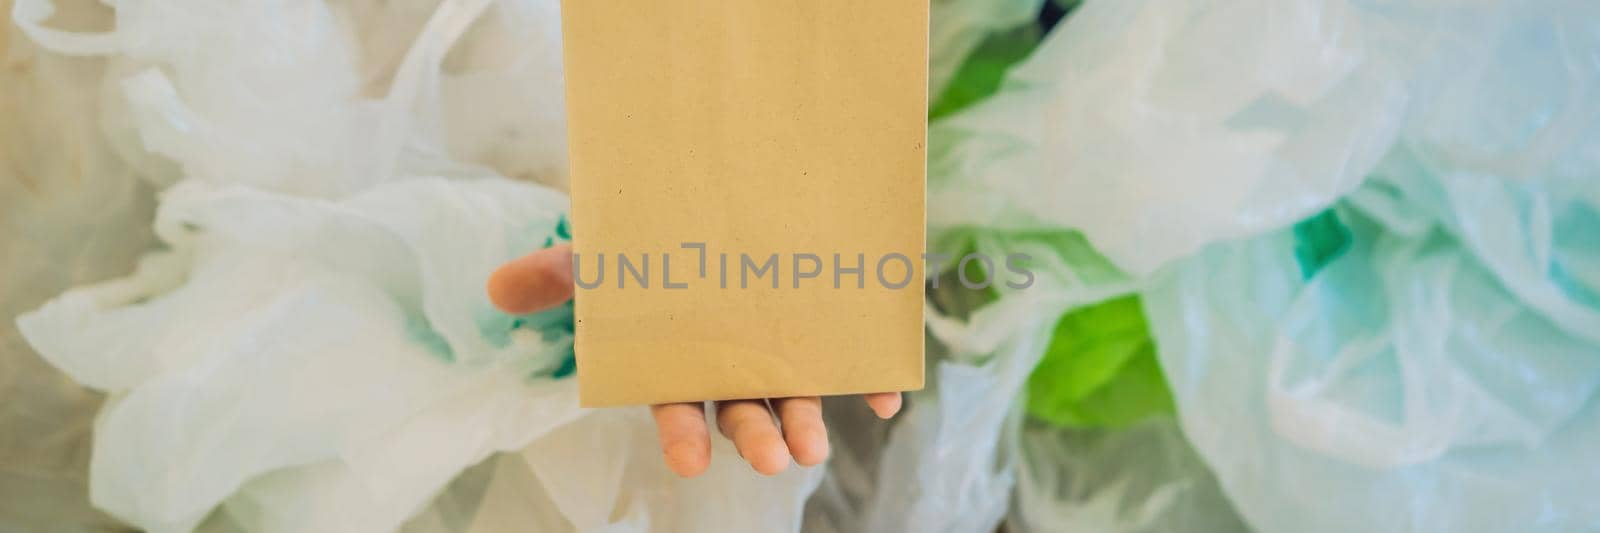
point(953, 458)
point(249, 91)
point(965, 456)
point(967, 66)
point(1155, 128)
point(950, 461)
point(1425, 353)
point(604, 473)
point(71, 212)
point(312, 350)
point(1405, 380)
point(282, 342)
point(1437, 367)
point(1144, 478)
point(958, 27)
point(1100, 369)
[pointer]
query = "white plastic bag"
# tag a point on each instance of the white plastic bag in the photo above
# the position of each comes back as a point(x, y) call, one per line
point(323, 109)
point(949, 462)
point(605, 473)
point(1157, 127)
point(284, 333)
point(959, 26)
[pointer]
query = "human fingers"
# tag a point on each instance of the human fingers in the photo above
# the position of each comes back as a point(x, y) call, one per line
point(685, 440)
point(884, 404)
point(533, 282)
point(803, 429)
point(749, 424)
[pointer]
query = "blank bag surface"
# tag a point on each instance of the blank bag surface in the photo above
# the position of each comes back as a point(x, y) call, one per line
point(748, 186)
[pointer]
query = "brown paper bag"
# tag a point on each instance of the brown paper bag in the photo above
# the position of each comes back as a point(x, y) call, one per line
point(747, 188)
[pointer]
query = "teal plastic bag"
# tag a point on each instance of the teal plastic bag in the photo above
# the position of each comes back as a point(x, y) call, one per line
point(1407, 379)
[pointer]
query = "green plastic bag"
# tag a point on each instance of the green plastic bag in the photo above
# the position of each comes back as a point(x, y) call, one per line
point(1100, 369)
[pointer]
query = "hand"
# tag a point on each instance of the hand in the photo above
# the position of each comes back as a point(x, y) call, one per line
point(543, 280)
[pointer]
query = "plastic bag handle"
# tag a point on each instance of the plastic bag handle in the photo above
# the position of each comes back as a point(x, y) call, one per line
point(415, 89)
point(30, 16)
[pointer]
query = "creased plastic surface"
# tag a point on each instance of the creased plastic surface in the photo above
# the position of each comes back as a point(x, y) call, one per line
point(71, 212)
point(281, 333)
point(295, 110)
point(1439, 363)
point(1433, 373)
point(1439, 373)
point(1404, 380)
point(604, 473)
point(949, 463)
point(1144, 478)
point(958, 26)
point(1100, 369)
point(1157, 127)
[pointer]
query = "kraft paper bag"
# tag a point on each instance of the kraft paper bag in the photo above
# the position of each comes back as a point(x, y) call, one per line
point(747, 187)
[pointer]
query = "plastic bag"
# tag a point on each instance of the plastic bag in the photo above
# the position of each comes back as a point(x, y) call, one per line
point(284, 344)
point(1100, 369)
point(71, 212)
point(1437, 371)
point(604, 473)
point(949, 462)
point(952, 457)
point(1155, 128)
point(1427, 355)
point(1144, 478)
point(959, 26)
point(300, 111)
point(1160, 128)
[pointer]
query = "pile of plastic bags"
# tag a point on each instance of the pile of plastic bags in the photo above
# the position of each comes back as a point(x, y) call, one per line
point(1363, 234)
point(1306, 265)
